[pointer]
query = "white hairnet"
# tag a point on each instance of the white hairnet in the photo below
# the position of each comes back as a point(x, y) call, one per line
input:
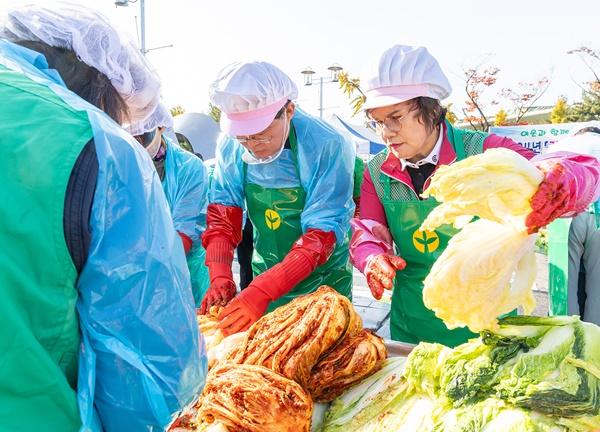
point(161, 117)
point(243, 87)
point(402, 73)
point(249, 96)
point(89, 34)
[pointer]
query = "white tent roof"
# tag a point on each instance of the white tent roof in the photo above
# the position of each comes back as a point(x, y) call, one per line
point(200, 130)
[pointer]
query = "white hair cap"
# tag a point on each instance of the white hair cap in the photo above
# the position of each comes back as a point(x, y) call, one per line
point(249, 96)
point(96, 42)
point(161, 117)
point(402, 73)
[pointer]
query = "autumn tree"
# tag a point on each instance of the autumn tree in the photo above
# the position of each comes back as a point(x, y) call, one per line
point(478, 81)
point(560, 111)
point(450, 116)
point(351, 88)
point(501, 118)
point(589, 107)
point(177, 110)
point(524, 96)
point(214, 112)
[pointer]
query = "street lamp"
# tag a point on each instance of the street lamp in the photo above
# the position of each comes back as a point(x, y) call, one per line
point(308, 73)
point(125, 3)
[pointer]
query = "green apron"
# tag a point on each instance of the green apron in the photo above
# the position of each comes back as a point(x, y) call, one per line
point(41, 137)
point(275, 215)
point(198, 273)
point(558, 261)
point(411, 321)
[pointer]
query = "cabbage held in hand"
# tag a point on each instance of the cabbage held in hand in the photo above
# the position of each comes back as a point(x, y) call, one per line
point(487, 270)
point(495, 185)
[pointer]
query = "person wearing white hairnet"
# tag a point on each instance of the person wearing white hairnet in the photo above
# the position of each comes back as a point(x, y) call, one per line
point(403, 104)
point(574, 243)
point(185, 182)
point(99, 330)
point(200, 132)
point(293, 175)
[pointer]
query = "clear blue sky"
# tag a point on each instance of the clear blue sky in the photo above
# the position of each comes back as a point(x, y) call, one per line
point(526, 39)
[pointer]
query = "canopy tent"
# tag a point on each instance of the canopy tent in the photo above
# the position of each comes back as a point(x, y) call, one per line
point(367, 142)
point(200, 130)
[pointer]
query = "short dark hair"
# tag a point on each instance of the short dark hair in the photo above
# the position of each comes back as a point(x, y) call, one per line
point(84, 80)
point(589, 129)
point(430, 111)
point(282, 110)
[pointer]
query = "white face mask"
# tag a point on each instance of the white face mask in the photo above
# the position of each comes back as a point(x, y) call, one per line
point(154, 146)
point(250, 159)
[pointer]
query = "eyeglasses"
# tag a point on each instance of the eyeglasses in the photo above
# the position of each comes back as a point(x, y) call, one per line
point(393, 122)
point(262, 140)
point(146, 138)
point(245, 141)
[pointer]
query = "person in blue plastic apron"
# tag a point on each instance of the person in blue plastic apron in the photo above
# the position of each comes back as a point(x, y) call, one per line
point(293, 175)
point(575, 243)
point(200, 132)
point(185, 182)
point(99, 330)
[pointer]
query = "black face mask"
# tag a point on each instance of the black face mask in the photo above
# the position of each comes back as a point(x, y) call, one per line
point(146, 138)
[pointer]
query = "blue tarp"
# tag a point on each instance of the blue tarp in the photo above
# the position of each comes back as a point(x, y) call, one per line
point(363, 133)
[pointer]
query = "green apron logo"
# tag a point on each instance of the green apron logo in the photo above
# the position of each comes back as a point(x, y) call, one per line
point(272, 219)
point(426, 241)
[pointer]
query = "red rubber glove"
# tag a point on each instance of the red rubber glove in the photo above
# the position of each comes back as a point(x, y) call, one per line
point(569, 186)
point(223, 234)
point(312, 249)
point(381, 271)
point(187, 242)
point(221, 290)
point(223, 222)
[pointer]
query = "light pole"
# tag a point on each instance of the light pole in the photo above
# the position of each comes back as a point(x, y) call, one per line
point(125, 3)
point(308, 80)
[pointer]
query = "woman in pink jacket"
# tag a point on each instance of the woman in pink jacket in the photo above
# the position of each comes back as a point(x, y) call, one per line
point(403, 105)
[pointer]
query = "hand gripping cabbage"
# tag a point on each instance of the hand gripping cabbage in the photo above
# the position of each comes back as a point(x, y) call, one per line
point(488, 269)
point(291, 339)
point(496, 185)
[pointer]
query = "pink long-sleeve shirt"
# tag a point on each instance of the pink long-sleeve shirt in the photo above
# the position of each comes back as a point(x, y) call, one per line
point(367, 241)
point(370, 205)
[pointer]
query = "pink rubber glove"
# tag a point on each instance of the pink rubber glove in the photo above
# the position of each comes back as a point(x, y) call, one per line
point(381, 271)
point(369, 238)
point(570, 185)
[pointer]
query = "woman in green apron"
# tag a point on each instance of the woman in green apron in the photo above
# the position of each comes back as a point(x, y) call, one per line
point(293, 175)
point(185, 182)
point(403, 105)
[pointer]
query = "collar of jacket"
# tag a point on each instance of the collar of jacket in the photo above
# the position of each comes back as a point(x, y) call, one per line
point(392, 167)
